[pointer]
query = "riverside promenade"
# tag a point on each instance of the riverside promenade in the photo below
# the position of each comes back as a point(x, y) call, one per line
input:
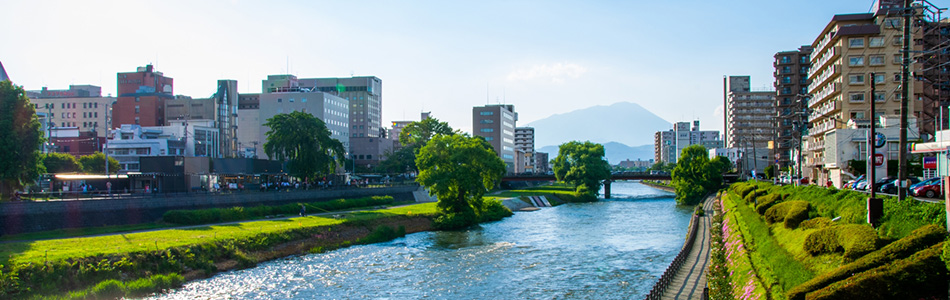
point(686, 276)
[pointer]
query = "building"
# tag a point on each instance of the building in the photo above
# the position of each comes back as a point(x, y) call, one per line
point(931, 73)
point(638, 164)
point(142, 95)
point(496, 123)
point(3, 73)
point(222, 107)
point(668, 145)
point(749, 123)
point(129, 142)
point(81, 106)
point(791, 90)
point(397, 127)
point(541, 161)
point(850, 52)
point(255, 109)
point(524, 144)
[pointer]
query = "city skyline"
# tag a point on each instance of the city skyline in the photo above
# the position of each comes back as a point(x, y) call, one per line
point(544, 57)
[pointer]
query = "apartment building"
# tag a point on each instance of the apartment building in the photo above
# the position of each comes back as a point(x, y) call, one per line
point(668, 145)
point(524, 145)
point(141, 97)
point(749, 123)
point(850, 52)
point(791, 97)
point(80, 106)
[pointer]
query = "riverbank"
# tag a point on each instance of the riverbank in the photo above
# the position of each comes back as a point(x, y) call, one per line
point(658, 185)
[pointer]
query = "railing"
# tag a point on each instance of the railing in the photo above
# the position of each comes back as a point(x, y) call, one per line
point(668, 275)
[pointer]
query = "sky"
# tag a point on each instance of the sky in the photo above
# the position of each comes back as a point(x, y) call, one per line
point(545, 57)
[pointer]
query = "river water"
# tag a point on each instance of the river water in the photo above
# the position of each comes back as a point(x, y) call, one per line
point(612, 249)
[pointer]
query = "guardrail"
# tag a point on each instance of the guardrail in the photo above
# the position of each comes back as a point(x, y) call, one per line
point(656, 292)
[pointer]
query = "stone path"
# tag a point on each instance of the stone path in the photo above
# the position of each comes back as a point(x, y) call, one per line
point(690, 280)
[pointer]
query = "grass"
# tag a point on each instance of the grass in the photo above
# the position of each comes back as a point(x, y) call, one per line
point(66, 248)
point(563, 192)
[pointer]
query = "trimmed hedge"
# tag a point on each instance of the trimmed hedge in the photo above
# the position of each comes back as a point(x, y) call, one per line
point(751, 197)
point(791, 213)
point(767, 201)
point(218, 215)
point(922, 275)
point(816, 223)
point(919, 239)
point(855, 240)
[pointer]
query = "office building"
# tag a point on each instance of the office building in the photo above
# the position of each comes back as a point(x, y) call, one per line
point(81, 106)
point(141, 97)
point(496, 123)
point(669, 145)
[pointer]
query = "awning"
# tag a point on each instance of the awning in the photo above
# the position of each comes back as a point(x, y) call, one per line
point(929, 147)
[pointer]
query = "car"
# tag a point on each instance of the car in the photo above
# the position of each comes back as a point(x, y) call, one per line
point(929, 191)
point(880, 182)
point(860, 185)
point(925, 182)
point(891, 186)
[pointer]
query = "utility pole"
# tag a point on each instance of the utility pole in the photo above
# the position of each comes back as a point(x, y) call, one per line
point(905, 95)
point(872, 145)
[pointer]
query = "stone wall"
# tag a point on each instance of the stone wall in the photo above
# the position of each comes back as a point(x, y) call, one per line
point(22, 217)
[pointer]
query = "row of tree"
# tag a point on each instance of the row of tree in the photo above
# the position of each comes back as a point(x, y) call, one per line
point(695, 175)
point(66, 163)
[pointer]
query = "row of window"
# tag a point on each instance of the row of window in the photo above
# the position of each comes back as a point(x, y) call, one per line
point(876, 41)
point(873, 60)
point(859, 79)
point(878, 96)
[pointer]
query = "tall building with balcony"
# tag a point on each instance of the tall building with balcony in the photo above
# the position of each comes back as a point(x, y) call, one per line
point(850, 52)
point(791, 90)
point(749, 117)
point(668, 145)
point(664, 147)
point(496, 123)
point(524, 146)
point(141, 97)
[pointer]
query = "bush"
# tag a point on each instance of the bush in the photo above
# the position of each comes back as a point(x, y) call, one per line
point(383, 234)
point(218, 215)
point(791, 213)
point(766, 202)
point(919, 239)
point(494, 211)
point(751, 197)
point(453, 221)
point(816, 223)
point(108, 289)
point(919, 276)
point(855, 240)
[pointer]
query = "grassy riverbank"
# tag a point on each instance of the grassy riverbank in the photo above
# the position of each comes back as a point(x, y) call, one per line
point(556, 193)
point(52, 268)
point(789, 242)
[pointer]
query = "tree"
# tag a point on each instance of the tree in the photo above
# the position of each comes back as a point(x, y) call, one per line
point(770, 172)
point(305, 143)
point(20, 140)
point(459, 169)
point(420, 132)
point(60, 163)
point(725, 165)
point(582, 165)
point(413, 137)
point(695, 175)
point(95, 164)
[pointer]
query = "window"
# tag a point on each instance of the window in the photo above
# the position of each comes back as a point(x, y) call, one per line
point(487, 130)
point(486, 113)
point(878, 78)
point(489, 138)
point(856, 79)
point(892, 23)
point(95, 114)
point(487, 121)
point(879, 97)
point(786, 70)
point(787, 79)
point(876, 60)
point(898, 40)
point(280, 100)
point(83, 115)
point(897, 76)
point(856, 97)
point(304, 100)
point(95, 105)
point(857, 115)
point(291, 100)
point(876, 41)
point(137, 109)
point(897, 59)
point(784, 60)
point(856, 43)
point(137, 99)
point(83, 105)
point(62, 105)
point(786, 90)
point(136, 120)
point(856, 61)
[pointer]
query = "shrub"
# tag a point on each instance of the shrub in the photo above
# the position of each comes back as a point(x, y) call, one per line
point(751, 197)
point(816, 223)
point(855, 240)
point(791, 213)
point(919, 239)
point(218, 215)
point(766, 202)
point(494, 211)
point(922, 275)
point(453, 221)
point(383, 234)
point(108, 289)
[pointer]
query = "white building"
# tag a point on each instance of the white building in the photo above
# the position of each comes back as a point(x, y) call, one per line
point(182, 138)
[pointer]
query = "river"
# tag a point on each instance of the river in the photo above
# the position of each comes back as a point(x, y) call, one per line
point(611, 249)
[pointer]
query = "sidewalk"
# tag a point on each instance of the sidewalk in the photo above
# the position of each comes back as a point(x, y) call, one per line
point(690, 280)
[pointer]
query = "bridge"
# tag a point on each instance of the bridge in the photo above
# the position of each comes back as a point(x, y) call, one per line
point(616, 176)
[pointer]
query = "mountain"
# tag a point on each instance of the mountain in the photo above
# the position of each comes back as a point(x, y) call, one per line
point(615, 152)
point(623, 122)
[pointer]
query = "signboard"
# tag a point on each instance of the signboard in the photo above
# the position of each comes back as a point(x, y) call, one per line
point(878, 159)
point(879, 140)
point(930, 162)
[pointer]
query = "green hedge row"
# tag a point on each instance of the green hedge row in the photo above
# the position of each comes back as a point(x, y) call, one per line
point(791, 213)
point(854, 239)
point(816, 223)
point(765, 202)
point(218, 215)
point(918, 240)
point(920, 276)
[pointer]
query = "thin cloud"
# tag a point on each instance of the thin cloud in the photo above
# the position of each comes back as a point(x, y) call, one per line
point(555, 73)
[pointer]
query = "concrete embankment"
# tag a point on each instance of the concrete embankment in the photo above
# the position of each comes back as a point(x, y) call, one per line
point(657, 186)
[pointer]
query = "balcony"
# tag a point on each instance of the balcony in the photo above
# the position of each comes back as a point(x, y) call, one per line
point(824, 93)
point(822, 128)
point(832, 54)
point(823, 110)
point(828, 73)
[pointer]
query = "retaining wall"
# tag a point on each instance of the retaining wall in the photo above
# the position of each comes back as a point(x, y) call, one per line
point(33, 216)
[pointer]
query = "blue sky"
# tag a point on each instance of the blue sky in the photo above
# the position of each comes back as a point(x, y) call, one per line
point(545, 57)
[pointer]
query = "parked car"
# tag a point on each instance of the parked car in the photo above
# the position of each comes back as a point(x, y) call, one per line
point(891, 186)
point(929, 191)
point(861, 185)
point(925, 182)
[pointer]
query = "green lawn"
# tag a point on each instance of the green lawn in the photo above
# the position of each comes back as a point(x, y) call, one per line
point(64, 248)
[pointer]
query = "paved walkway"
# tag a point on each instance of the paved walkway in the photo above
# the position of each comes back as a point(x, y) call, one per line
point(690, 280)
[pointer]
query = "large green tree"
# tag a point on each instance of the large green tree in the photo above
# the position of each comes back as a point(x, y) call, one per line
point(61, 163)
point(20, 140)
point(582, 165)
point(96, 164)
point(695, 175)
point(459, 169)
point(304, 142)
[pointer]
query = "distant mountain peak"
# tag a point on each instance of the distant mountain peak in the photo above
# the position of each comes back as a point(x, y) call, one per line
point(626, 123)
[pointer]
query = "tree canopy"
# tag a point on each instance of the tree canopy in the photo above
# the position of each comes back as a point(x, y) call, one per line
point(95, 164)
point(61, 163)
point(20, 140)
point(582, 165)
point(459, 170)
point(304, 142)
point(695, 175)
point(412, 138)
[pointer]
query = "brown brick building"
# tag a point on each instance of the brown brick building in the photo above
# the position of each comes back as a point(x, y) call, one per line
point(141, 97)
